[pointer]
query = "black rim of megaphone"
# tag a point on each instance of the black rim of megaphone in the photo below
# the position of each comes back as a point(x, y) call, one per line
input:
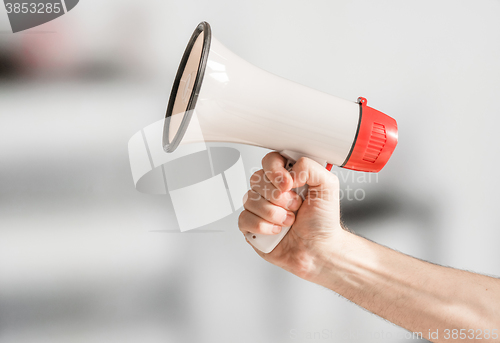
point(170, 146)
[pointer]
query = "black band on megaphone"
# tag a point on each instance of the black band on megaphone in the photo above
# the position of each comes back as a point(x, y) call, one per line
point(169, 145)
point(355, 137)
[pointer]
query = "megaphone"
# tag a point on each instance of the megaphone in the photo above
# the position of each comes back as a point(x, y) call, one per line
point(237, 102)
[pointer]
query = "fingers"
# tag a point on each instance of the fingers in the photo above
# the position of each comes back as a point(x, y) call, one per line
point(304, 171)
point(268, 211)
point(270, 203)
point(308, 171)
point(274, 168)
point(250, 222)
point(260, 184)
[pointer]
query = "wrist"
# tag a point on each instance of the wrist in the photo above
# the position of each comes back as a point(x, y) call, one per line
point(344, 264)
point(327, 256)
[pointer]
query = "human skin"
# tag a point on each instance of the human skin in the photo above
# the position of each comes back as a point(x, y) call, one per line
point(414, 294)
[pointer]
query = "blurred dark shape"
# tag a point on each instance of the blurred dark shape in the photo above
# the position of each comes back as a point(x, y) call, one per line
point(372, 208)
point(380, 210)
point(381, 206)
point(10, 67)
point(161, 299)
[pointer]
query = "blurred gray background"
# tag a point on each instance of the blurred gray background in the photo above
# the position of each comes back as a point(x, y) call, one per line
point(80, 258)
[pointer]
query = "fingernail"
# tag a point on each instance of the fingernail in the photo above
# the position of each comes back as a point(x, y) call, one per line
point(282, 181)
point(276, 229)
point(288, 218)
point(292, 203)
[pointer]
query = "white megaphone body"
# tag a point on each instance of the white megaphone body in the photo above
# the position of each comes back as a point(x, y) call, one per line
point(237, 102)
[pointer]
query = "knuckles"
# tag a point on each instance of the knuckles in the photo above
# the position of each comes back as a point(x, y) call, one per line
point(250, 197)
point(247, 197)
point(256, 177)
point(241, 219)
point(272, 212)
point(302, 163)
point(305, 166)
point(267, 210)
point(270, 157)
point(300, 169)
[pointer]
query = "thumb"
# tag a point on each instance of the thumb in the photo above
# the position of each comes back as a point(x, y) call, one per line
point(321, 182)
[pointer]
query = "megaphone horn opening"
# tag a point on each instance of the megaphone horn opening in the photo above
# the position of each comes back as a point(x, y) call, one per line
point(187, 85)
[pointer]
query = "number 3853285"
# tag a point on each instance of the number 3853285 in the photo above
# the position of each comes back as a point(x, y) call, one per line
point(33, 7)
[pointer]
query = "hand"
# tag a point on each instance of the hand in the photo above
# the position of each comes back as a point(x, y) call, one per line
point(270, 205)
point(417, 295)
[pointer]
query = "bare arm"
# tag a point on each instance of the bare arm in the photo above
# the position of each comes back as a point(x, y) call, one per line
point(416, 295)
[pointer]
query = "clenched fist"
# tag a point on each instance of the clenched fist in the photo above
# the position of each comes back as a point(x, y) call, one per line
point(272, 204)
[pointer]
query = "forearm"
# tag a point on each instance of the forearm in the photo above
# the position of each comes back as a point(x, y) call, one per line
point(414, 294)
point(406, 291)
